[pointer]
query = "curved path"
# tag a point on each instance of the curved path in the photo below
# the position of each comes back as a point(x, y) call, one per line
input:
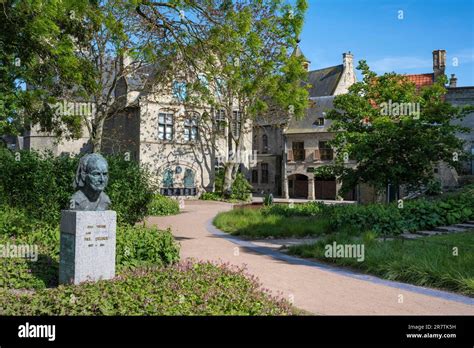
point(314, 287)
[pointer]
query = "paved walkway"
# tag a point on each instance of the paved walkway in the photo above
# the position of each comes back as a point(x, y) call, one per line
point(314, 287)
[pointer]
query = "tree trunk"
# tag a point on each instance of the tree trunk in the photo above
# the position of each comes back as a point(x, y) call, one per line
point(228, 179)
point(98, 131)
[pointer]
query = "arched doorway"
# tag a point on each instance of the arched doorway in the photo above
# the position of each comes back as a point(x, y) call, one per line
point(298, 186)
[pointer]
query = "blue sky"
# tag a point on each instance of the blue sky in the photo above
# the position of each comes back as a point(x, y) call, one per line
point(372, 30)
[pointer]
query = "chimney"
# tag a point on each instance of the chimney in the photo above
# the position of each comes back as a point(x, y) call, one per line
point(347, 60)
point(439, 63)
point(453, 81)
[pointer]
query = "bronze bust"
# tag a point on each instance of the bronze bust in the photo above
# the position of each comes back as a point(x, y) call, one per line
point(91, 180)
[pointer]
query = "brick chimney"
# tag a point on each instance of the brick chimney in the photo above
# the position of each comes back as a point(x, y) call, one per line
point(439, 63)
point(453, 81)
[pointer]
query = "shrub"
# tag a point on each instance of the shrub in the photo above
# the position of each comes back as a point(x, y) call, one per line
point(415, 215)
point(161, 205)
point(210, 196)
point(138, 246)
point(42, 185)
point(135, 246)
point(241, 188)
point(187, 288)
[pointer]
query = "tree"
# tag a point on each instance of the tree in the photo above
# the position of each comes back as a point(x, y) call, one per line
point(247, 71)
point(37, 49)
point(394, 132)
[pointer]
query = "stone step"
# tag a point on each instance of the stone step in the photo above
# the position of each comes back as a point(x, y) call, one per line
point(410, 236)
point(450, 229)
point(465, 225)
point(430, 233)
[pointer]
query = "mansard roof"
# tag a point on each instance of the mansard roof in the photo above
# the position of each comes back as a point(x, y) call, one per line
point(324, 81)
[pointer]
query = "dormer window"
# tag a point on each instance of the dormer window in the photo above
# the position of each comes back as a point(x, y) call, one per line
point(319, 122)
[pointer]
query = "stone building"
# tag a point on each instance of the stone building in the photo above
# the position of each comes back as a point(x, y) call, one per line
point(182, 146)
point(289, 152)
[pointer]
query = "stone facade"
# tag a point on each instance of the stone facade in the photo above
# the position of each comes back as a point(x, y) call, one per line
point(290, 151)
point(462, 96)
point(181, 147)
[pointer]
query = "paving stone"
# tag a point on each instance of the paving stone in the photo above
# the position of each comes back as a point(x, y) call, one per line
point(465, 225)
point(410, 236)
point(450, 229)
point(430, 233)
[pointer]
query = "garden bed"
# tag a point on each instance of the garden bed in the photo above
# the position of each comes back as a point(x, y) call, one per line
point(430, 261)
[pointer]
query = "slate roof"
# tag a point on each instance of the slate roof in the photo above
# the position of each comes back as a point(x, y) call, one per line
point(318, 106)
point(324, 81)
point(298, 53)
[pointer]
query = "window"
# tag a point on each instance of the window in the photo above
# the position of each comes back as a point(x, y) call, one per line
point(264, 168)
point(298, 151)
point(179, 90)
point(188, 180)
point(319, 122)
point(255, 142)
point(219, 118)
point(165, 126)
point(325, 151)
point(191, 128)
point(168, 178)
point(236, 123)
point(255, 176)
point(265, 143)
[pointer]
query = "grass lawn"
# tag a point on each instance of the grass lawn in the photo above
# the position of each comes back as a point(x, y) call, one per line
point(252, 223)
point(427, 262)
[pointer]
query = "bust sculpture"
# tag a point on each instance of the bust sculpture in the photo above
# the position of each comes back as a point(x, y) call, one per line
point(91, 180)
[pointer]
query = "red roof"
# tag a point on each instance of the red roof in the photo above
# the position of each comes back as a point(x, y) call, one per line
point(421, 80)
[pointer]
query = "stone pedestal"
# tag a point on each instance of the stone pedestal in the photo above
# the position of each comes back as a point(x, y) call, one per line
point(87, 251)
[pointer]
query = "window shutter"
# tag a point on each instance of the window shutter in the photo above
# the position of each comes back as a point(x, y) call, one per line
point(290, 155)
point(317, 156)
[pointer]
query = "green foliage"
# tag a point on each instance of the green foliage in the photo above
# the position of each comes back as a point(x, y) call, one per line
point(136, 246)
point(188, 288)
point(241, 189)
point(288, 210)
point(394, 144)
point(433, 188)
point(42, 185)
point(415, 215)
point(427, 262)
point(210, 196)
point(37, 48)
point(258, 223)
point(162, 205)
point(268, 200)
